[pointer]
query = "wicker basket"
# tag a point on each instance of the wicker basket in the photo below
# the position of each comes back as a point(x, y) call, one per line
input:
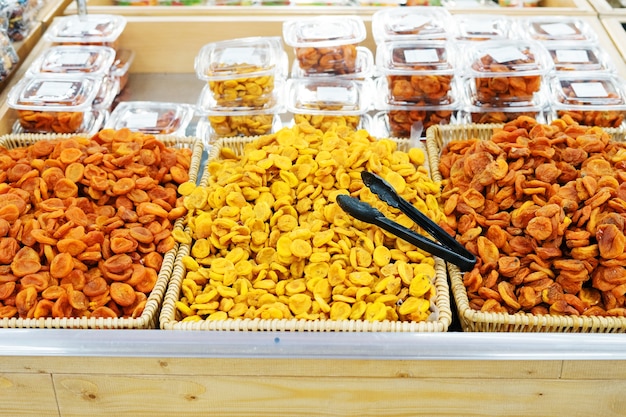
point(170, 319)
point(474, 320)
point(148, 319)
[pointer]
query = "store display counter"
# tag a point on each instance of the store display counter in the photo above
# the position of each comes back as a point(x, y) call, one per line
point(159, 373)
point(561, 7)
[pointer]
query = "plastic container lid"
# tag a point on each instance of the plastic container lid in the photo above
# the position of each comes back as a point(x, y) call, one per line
point(579, 57)
point(324, 31)
point(506, 58)
point(588, 92)
point(364, 67)
point(329, 96)
point(71, 59)
point(256, 56)
point(152, 117)
point(93, 28)
point(479, 27)
point(410, 23)
point(54, 93)
point(557, 28)
point(414, 57)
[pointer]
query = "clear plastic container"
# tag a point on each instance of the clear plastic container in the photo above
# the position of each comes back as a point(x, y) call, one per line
point(8, 57)
point(152, 117)
point(324, 102)
point(109, 88)
point(479, 27)
point(92, 123)
point(474, 111)
point(404, 23)
point(20, 16)
point(221, 124)
point(94, 29)
point(208, 102)
point(325, 44)
point(589, 99)
point(120, 68)
point(364, 67)
point(242, 72)
point(52, 104)
point(557, 28)
point(417, 71)
point(579, 57)
point(72, 59)
point(506, 71)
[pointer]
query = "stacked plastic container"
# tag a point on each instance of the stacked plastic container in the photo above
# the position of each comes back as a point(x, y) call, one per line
point(417, 84)
point(243, 95)
point(330, 83)
point(71, 86)
point(584, 85)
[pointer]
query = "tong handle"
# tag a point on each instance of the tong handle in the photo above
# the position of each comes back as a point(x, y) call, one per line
point(366, 213)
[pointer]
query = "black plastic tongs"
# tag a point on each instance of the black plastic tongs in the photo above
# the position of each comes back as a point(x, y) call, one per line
point(448, 249)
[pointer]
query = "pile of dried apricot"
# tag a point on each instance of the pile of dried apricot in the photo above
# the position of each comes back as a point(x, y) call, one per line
point(269, 241)
point(544, 209)
point(85, 222)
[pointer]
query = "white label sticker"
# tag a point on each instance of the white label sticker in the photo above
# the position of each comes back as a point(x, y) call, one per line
point(592, 89)
point(506, 54)
point(233, 56)
point(142, 120)
point(410, 22)
point(75, 59)
point(325, 31)
point(572, 55)
point(55, 89)
point(421, 55)
point(81, 28)
point(474, 28)
point(558, 29)
point(333, 94)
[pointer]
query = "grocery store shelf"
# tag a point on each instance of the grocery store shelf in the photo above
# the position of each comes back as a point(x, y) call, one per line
point(374, 345)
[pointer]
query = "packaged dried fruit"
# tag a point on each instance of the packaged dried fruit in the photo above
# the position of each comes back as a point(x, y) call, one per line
point(228, 123)
point(8, 56)
point(72, 59)
point(557, 28)
point(152, 117)
point(506, 71)
point(417, 71)
point(479, 27)
point(93, 121)
point(579, 57)
point(93, 29)
point(247, 102)
point(591, 100)
point(242, 72)
point(109, 88)
point(364, 67)
point(324, 102)
point(410, 23)
point(120, 68)
point(325, 44)
point(52, 104)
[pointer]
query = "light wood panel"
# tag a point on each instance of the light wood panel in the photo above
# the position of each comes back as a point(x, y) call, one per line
point(27, 395)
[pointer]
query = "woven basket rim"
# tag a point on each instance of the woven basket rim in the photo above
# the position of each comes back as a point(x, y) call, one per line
point(168, 319)
point(149, 316)
point(474, 320)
